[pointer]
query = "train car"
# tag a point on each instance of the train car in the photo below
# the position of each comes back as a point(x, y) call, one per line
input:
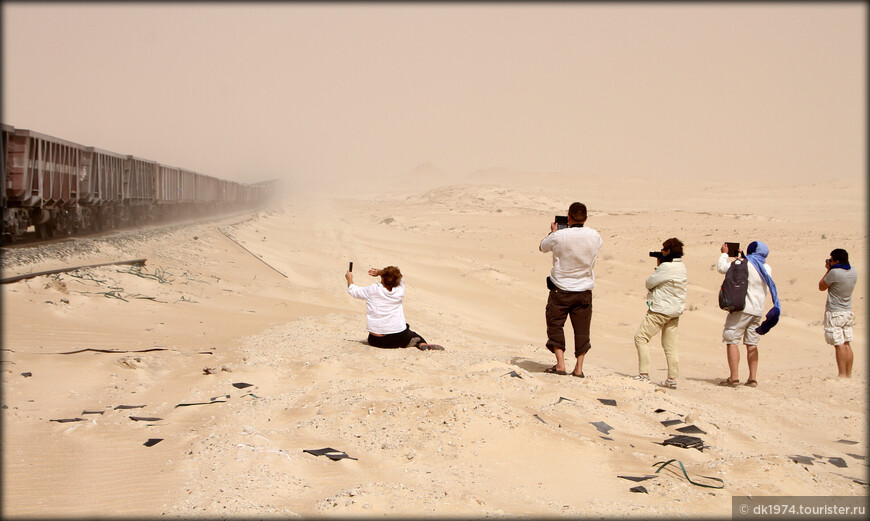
point(40, 183)
point(263, 191)
point(167, 188)
point(7, 132)
point(101, 195)
point(137, 189)
point(222, 185)
point(187, 187)
point(231, 193)
point(207, 190)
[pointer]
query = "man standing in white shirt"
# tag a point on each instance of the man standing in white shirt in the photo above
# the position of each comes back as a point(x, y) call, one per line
point(575, 250)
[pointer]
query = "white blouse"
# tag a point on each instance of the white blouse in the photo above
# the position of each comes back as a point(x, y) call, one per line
point(384, 312)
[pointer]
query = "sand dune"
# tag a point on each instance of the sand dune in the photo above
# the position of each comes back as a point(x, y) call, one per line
point(475, 430)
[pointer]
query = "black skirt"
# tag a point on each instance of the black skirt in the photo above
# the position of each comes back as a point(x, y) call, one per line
point(396, 340)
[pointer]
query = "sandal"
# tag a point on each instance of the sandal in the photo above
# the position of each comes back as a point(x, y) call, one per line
point(553, 370)
point(751, 383)
point(728, 382)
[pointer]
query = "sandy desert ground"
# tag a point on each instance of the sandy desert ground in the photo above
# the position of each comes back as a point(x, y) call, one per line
point(476, 430)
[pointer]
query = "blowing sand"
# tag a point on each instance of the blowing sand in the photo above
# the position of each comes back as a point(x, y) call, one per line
point(475, 430)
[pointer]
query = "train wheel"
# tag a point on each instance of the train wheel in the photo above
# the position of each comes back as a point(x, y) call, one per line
point(44, 230)
point(63, 226)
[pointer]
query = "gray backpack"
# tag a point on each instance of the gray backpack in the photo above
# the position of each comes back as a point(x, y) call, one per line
point(732, 294)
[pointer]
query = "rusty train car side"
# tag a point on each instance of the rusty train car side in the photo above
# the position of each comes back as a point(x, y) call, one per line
point(63, 188)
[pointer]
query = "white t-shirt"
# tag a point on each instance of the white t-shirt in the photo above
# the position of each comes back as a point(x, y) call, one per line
point(575, 250)
point(384, 312)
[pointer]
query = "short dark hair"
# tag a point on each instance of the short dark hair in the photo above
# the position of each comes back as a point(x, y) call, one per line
point(840, 255)
point(577, 211)
point(390, 277)
point(674, 247)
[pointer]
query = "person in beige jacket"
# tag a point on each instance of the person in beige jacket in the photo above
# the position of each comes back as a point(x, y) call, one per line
point(666, 300)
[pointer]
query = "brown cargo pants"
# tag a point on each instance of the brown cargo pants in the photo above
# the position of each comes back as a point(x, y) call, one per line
point(561, 305)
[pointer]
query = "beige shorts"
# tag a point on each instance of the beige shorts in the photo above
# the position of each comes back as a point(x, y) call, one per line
point(740, 326)
point(838, 327)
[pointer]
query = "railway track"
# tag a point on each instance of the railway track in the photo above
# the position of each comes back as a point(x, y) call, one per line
point(32, 239)
point(15, 258)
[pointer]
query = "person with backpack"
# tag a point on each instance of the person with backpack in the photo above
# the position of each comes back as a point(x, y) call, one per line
point(750, 275)
point(665, 301)
point(839, 281)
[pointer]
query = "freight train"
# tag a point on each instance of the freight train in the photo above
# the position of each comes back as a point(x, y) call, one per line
point(62, 188)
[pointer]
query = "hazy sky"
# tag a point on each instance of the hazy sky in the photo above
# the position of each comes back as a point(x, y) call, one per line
point(338, 91)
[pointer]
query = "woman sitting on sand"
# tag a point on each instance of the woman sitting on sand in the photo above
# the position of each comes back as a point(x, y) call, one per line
point(385, 318)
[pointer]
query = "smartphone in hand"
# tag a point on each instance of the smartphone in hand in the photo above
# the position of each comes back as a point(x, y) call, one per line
point(561, 221)
point(350, 266)
point(733, 248)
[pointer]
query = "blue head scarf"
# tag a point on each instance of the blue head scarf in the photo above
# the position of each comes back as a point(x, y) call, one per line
point(756, 254)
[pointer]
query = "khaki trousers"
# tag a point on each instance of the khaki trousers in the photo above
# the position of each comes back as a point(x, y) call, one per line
point(653, 323)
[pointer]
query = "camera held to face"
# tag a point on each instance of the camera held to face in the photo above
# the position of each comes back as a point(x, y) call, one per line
point(656, 254)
